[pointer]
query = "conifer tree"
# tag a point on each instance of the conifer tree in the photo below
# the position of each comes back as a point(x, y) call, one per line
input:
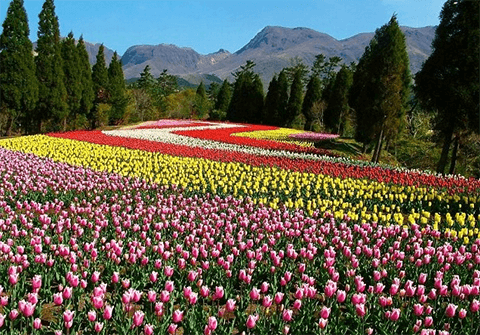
point(224, 96)
point(201, 101)
point(294, 107)
point(337, 112)
point(381, 87)
point(18, 83)
point(146, 80)
point(72, 79)
point(86, 85)
point(271, 116)
point(312, 96)
point(52, 103)
point(100, 77)
point(282, 94)
point(448, 83)
point(116, 88)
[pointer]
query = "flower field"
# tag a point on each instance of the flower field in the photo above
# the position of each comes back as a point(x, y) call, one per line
point(188, 227)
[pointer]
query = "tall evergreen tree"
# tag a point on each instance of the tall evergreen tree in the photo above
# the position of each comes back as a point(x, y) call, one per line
point(100, 77)
point(312, 96)
point(72, 79)
point(117, 90)
point(246, 104)
point(146, 80)
point(224, 96)
point(86, 84)
point(448, 82)
point(52, 104)
point(381, 87)
point(283, 96)
point(270, 114)
point(201, 101)
point(294, 107)
point(337, 112)
point(18, 83)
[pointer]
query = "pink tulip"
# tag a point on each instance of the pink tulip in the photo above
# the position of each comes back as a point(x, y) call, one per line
point(474, 306)
point(92, 316)
point(2, 320)
point(68, 315)
point(152, 296)
point(450, 311)
point(230, 306)
point(462, 313)
point(138, 318)
point(172, 328)
point(153, 276)
point(98, 326)
point(325, 312)
point(168, 271)
point(97, 302)
point(4, 300)
point(267, 301)
point(322, 323)
point(108, 312)
point(148, 329)
point(169, 286)
point(67, 292)
point(13, 314)
point(29, 309)
point(287, 315)
point(219, 292)
point(341, 296)
point(37, 323)
point(36, 282)
point(395, 314)
point(115, 277)
point(204, 291)
point(360, 310)
point(212, 323)
point(264, 287)
point(418, 309)
point(428, 322)
point(177, 316)
point(192, 299)
point(165, 296)
point(255, 294)
point(252, 321)
point(278, 298)
point(13, 278)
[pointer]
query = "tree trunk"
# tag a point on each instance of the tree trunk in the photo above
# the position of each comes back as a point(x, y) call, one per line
point(378, 147)
point(454, 155)
point(446, 147)
point(364, 149)
point(8, 129)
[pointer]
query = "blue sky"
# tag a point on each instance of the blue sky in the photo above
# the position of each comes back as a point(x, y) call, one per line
point(208, 25)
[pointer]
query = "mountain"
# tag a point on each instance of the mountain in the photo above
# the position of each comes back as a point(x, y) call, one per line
point(272, 49)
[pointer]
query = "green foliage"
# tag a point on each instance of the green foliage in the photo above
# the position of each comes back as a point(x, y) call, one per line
point(18, 83)
point(271, 113)
point(381, 86)
point(72, 79)
point(246, 104)
point(312, 95)
point(282, 94)
point(86, 83)
point(448, 82)
point(294, 106)
point(202, 104)
point(102, 114)
point(100, 77)
point(223, 99)
point(118, 98)
point(337, 113)
point(52, 103)
point(146, 81)
point(180, 105)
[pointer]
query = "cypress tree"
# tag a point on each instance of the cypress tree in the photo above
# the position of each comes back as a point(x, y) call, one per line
point(337, 111)
point(224, 96)
point(52, 103)
point(116, 88)
point(294, 107)
point(312, 95)
point(270, 114)
point(86, 84)
point(282, 99)
point(201, 101)
point(146, 81)
point(381, 87)
point(100, 77)
point(448, 82)
point(18, 83)
point(72, 79)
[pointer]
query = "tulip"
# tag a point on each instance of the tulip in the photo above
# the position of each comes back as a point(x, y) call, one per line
point(68, 315)
point(278, 298)
point(108, 312)
point(138, 317)
point(252, 321)
point(450, 311)
point(255, 294)
point(115, 277)
point(267, 301)
point(325, 312)
point(152, 296)
point(428, 322)
point(169, 286)
point(98, 326)
point(322, 323)
point(287, 315)
point(395, 314)
point(172, 328)
point(37, 323)
point(36, 282)
point(2, 320)
point(13, 314)
point(360, 310)
point(230, 305)
point(177, 316)
point(148, 329)
point(92, 316)
point(341, 296)
point(474, 306)
point(212, 323)
point(219, 292)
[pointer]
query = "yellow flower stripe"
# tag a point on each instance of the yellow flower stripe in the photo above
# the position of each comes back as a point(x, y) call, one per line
point(360, 199)
point(278, 135)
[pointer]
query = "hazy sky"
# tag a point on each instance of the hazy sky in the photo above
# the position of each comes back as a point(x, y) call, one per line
point(208, 25)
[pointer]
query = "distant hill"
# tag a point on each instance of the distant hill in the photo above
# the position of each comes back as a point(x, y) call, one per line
point(272, 49)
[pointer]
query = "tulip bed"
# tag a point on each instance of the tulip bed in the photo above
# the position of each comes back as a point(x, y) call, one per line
point(184, 228)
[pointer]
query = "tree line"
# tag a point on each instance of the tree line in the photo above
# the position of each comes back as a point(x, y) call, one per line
point(54, 88)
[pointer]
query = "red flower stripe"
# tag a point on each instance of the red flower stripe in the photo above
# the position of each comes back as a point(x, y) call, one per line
point(195, 124)
point(454, 185)
point(224, 135)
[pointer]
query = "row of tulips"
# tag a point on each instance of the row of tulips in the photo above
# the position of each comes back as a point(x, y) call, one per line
point(360, 199)
point(278, 135)
point(86, 251)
